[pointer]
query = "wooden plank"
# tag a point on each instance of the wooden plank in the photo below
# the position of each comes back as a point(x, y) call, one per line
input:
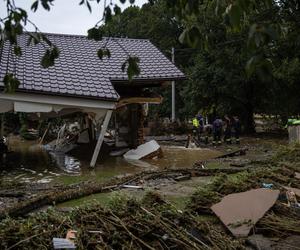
point(139, 100)
point(233, 153)
point(101, 138)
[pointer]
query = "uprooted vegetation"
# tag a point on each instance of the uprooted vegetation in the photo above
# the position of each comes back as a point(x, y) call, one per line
point(281, 220)
point(153, 223)
point(127, 224)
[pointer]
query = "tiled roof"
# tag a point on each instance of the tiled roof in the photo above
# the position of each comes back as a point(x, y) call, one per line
point(78, 71)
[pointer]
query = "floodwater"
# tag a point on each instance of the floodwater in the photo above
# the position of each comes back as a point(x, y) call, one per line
point(31, 163)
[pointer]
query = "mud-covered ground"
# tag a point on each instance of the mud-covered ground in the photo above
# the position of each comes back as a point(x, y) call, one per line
point(187, 194)
point(257, 149)
point(14, 190)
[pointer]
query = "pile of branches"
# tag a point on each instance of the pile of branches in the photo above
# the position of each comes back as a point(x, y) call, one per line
point(155, 224)
point(281, 221)
point(127, 224)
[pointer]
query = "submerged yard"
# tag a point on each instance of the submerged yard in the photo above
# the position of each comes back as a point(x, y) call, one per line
point(30, 163)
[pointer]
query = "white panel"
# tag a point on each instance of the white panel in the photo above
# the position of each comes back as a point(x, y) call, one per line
point(30, 107)
point(142, 150)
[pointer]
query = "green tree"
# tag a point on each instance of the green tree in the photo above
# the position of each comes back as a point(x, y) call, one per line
point(234, 73)
point(13, 25)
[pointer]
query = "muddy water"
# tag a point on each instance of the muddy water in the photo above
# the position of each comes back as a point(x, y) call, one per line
point(31, 163)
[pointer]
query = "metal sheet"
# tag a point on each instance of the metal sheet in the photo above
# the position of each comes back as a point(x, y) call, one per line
point(240, 211)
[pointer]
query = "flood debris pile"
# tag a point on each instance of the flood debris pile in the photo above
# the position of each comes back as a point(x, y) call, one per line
point(279, 212)
point(154, 223)
point(126, 224)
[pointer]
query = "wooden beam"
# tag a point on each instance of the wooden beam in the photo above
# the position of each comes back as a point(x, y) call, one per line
point(101, 138)
point(139, 100)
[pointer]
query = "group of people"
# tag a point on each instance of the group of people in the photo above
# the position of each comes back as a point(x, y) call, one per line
point(3, 148)
point(229, 127)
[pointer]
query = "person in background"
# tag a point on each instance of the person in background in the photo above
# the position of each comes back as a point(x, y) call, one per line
point(227, 131)
point(217, 131)
point(201, 125)
point(236, 129)
point(3, 149)
point(196, 127)
point(207, 130)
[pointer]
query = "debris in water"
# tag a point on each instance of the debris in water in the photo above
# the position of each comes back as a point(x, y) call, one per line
point(145, 151)
point(234, 153)
point(240, 211)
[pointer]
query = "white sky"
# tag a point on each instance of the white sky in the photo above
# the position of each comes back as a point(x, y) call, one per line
point(65, 16)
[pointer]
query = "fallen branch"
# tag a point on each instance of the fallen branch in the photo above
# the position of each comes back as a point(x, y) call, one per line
point(87, 188)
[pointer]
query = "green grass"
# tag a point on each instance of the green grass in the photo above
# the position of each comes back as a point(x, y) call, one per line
point(101, 198)
point(178, 201)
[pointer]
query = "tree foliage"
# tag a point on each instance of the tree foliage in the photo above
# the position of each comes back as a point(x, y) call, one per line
point(243, 55)
point(266, 21)
point(14, 24)
point(252, 69)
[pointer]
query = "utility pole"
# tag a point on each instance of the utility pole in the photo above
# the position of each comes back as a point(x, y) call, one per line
point(173, 89)
point(2, 125)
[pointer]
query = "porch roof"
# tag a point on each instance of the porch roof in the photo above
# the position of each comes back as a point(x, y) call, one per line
point(78, 71)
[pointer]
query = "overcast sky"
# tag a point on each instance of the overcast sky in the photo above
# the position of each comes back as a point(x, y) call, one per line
point(65, 16)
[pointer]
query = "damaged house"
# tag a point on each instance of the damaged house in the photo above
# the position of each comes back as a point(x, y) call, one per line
point(80, 81)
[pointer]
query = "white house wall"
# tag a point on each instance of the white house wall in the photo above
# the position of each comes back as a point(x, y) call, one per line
point(69, 102)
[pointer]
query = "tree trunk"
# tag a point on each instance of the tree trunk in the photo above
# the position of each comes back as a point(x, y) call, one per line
point(249, 124)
